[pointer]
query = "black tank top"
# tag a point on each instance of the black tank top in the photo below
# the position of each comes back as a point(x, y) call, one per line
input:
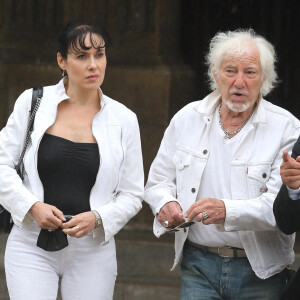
point(68, 172)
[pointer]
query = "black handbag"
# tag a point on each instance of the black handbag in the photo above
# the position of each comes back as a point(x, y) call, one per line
point(6, 222)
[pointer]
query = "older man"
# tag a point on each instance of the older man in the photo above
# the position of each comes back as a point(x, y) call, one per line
point(218, 165)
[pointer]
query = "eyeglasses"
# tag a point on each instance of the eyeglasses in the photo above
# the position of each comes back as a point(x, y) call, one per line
point(181, 226)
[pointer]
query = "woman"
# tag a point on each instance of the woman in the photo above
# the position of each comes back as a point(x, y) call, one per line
point(84, 160)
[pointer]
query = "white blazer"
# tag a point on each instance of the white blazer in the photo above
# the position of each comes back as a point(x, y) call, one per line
point(176, 173)
point(118, 191)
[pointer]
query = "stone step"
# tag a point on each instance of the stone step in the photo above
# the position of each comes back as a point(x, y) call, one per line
point(129, 291)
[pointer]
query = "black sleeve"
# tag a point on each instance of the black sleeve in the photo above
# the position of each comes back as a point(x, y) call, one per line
point(286, 210)
point(296, 149)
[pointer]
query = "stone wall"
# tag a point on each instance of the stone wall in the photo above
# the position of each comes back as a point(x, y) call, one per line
point(145, 72)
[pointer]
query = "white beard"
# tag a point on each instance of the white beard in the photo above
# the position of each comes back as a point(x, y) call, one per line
point(238, 107)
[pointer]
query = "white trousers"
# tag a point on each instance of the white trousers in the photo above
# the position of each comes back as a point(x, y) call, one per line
point(87, 269)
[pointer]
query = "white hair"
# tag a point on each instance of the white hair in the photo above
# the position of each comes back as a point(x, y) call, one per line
point(237, 43)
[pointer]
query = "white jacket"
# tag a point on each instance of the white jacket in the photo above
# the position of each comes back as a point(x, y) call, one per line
point(118, 190)
point(176, 173)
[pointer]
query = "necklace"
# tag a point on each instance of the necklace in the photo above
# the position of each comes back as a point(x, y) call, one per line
point(229, 133)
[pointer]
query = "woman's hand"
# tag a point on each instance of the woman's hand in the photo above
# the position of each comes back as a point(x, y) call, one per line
point(80, 225)
point(47, 216)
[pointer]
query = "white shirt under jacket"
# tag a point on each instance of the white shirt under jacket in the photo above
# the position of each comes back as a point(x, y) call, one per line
point(118, 191)
point(176, 173)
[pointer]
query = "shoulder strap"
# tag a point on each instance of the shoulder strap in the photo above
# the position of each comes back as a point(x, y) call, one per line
point(37, 93)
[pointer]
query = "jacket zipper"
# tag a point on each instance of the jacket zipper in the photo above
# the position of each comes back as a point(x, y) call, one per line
point(117, 185)
point(98, 113)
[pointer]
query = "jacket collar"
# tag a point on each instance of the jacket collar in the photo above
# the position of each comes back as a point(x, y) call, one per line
point(62, 95)
point(61, 91)
point(209, 104)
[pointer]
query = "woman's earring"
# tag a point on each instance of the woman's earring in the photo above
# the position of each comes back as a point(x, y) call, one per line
point(64, 73)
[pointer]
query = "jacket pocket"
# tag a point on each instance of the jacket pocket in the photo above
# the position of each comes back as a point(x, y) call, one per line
point(258, 176)
point(182, 162)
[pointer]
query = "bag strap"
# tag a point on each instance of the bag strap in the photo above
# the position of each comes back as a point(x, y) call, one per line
point(37, 94)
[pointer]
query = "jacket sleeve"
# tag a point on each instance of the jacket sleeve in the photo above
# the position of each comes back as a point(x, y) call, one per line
point(257, 214)
point(161, 185)
point(130, 191)
point(286, 210)
point(14, 196)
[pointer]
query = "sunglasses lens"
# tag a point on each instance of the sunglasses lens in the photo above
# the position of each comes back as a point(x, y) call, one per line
point(186, 224)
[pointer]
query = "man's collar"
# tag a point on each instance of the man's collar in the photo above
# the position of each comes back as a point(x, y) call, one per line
point(210, 103)
point(260, 114)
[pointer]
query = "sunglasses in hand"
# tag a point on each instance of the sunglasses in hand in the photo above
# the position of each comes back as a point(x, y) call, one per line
point(181, 226)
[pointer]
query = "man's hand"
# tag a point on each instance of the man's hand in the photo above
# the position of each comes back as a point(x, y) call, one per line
point(214, 208)
point(172, 213)
point(290, 171)
point(47, 216)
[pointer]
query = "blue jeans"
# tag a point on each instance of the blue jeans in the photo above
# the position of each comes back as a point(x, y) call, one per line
point(208, 276)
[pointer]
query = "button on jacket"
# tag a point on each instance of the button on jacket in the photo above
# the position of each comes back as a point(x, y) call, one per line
point(118, 190)
point(176, 173)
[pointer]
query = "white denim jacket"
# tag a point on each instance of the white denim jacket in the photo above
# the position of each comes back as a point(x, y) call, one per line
point(176, 173)
point(118, 191)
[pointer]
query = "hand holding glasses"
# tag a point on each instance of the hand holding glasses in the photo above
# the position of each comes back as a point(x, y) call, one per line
point(181, 226)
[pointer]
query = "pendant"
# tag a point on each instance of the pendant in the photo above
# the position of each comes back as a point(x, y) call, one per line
point(225, 138)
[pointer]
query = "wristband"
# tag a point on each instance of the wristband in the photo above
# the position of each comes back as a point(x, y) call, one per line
point(98, 218)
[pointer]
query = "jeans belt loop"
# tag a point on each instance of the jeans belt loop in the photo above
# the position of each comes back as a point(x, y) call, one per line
point(234, 253)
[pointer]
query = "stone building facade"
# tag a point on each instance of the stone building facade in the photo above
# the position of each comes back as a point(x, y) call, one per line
point(155, 66)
